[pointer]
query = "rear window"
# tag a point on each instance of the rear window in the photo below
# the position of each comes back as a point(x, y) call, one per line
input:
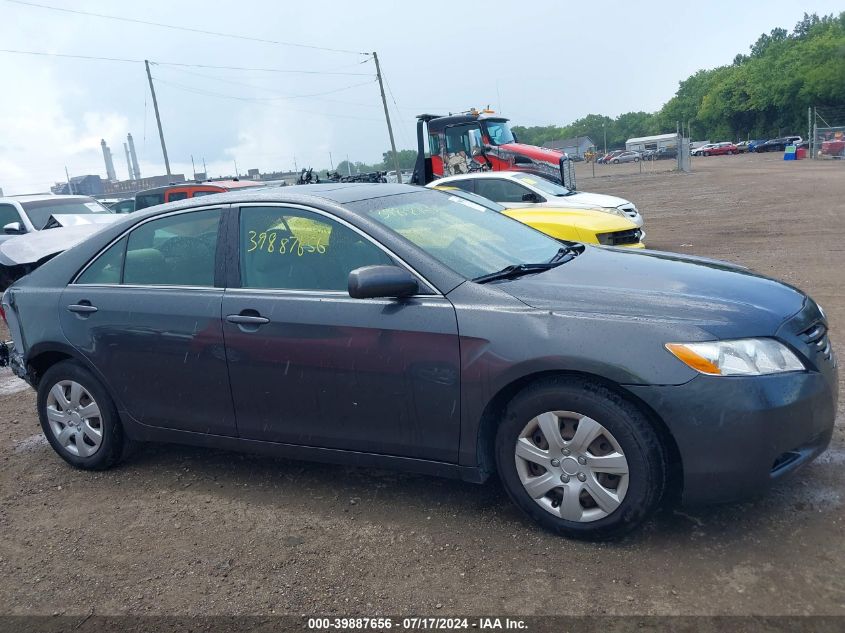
point(39, 211)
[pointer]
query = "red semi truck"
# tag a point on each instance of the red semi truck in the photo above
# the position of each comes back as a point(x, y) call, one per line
point(481, 140)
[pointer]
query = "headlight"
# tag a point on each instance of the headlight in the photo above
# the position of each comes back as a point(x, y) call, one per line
point(741, 357)
point(615, 211)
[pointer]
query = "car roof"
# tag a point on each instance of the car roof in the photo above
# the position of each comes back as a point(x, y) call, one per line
point(40, 197)
point(336, 193)
point(486, 174)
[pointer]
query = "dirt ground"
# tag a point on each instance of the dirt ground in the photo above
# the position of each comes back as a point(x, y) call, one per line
point(190, 531)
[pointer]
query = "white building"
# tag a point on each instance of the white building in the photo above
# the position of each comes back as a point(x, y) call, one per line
point(656, 142)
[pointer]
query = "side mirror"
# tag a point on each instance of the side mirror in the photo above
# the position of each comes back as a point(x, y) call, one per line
point(530, 197)
point(371, 282)
point(14, 228)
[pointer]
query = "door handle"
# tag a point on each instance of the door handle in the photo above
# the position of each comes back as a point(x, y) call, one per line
point(81, 308)
point(243, 319)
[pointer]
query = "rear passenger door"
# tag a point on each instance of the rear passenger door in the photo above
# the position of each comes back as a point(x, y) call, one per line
point(146, 313)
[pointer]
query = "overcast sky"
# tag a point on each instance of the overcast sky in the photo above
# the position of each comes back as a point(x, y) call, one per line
point(537, 62)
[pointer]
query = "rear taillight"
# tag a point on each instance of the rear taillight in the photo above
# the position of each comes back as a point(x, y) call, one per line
point(3, 314)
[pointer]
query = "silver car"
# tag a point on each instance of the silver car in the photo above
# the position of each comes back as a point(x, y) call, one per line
point(626, 157)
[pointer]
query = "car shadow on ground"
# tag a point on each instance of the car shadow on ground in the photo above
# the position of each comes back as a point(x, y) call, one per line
point(409, 500)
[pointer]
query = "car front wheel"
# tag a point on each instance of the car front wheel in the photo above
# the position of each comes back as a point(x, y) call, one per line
point(79, 417)
point(579, 459)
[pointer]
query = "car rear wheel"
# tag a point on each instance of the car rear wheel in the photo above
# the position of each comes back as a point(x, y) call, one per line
point(79, 418)
point(615, 161)
point(730, 152)
point(580, 460)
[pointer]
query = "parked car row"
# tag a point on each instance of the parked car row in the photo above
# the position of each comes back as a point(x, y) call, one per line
point(632, 156)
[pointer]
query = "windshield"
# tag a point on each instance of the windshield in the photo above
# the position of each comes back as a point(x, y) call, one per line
point(499, 132)
point(471, 239)
point(546, 186)
point(40, 211)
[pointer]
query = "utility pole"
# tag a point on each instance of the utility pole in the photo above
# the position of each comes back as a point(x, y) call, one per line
point(158, 118)
point(604, 129)
point(69, 185)
point(387, 118)
point(348, 166)
point(193, 167)
point(236, 168)
point(331, 163)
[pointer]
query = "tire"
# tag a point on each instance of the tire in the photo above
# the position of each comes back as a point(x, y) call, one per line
point(615, 161)
point(74, 436)
point(636, 160)
point(624, 429)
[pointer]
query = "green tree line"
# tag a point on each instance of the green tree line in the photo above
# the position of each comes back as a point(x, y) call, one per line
point(760, 95)
point(407, 158)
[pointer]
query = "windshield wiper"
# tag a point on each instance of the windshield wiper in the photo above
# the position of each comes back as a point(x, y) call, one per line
point(563, 255)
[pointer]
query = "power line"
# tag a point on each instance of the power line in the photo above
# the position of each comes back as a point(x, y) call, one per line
point(259, 101)
point(179, 64)
point(184, 28)
point(276, 96)
point(264, 87)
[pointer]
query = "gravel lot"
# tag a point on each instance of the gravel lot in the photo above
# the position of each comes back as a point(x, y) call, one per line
point(190, 531)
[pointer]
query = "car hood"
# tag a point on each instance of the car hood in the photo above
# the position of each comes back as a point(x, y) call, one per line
point(721, 298)
point(32, 247)
point(597, 221)
point(595, 199)
point(79, 219)
point(534, 152)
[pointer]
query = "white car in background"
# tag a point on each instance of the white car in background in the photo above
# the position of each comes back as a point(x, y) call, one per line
point(20, 215)
point(515, 189)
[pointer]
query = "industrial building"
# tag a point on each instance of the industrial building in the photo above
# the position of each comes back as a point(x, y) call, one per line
point(577, 146)
point(656, 142)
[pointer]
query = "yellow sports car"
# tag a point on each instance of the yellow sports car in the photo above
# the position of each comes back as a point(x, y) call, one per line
point(589, 226)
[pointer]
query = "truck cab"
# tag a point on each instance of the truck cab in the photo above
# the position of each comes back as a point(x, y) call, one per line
point(481, 141)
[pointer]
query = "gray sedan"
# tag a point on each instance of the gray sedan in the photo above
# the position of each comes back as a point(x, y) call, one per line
point(392, 326)
point(626, 157)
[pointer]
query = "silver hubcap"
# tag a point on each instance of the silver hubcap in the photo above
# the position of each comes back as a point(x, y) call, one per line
point(571, 466)
point(74, 418)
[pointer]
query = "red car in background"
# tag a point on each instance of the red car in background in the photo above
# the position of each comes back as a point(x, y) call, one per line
point(720, 149)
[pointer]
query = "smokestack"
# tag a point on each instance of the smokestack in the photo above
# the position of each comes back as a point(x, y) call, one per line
point(109, 162)
point(135, 168)
point(129, 162)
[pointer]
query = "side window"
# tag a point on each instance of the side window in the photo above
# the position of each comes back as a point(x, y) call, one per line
point(467, 184)
point(8, 213)
point(142, 201)
point(434, 145)
point(124, 206)
point(203, 192)
point(107, 267)
point(177, 250)
point(173, 196)
point(500, 190)
point(292, 249)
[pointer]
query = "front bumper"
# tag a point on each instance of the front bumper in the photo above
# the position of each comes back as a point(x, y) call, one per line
point(738, 435)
